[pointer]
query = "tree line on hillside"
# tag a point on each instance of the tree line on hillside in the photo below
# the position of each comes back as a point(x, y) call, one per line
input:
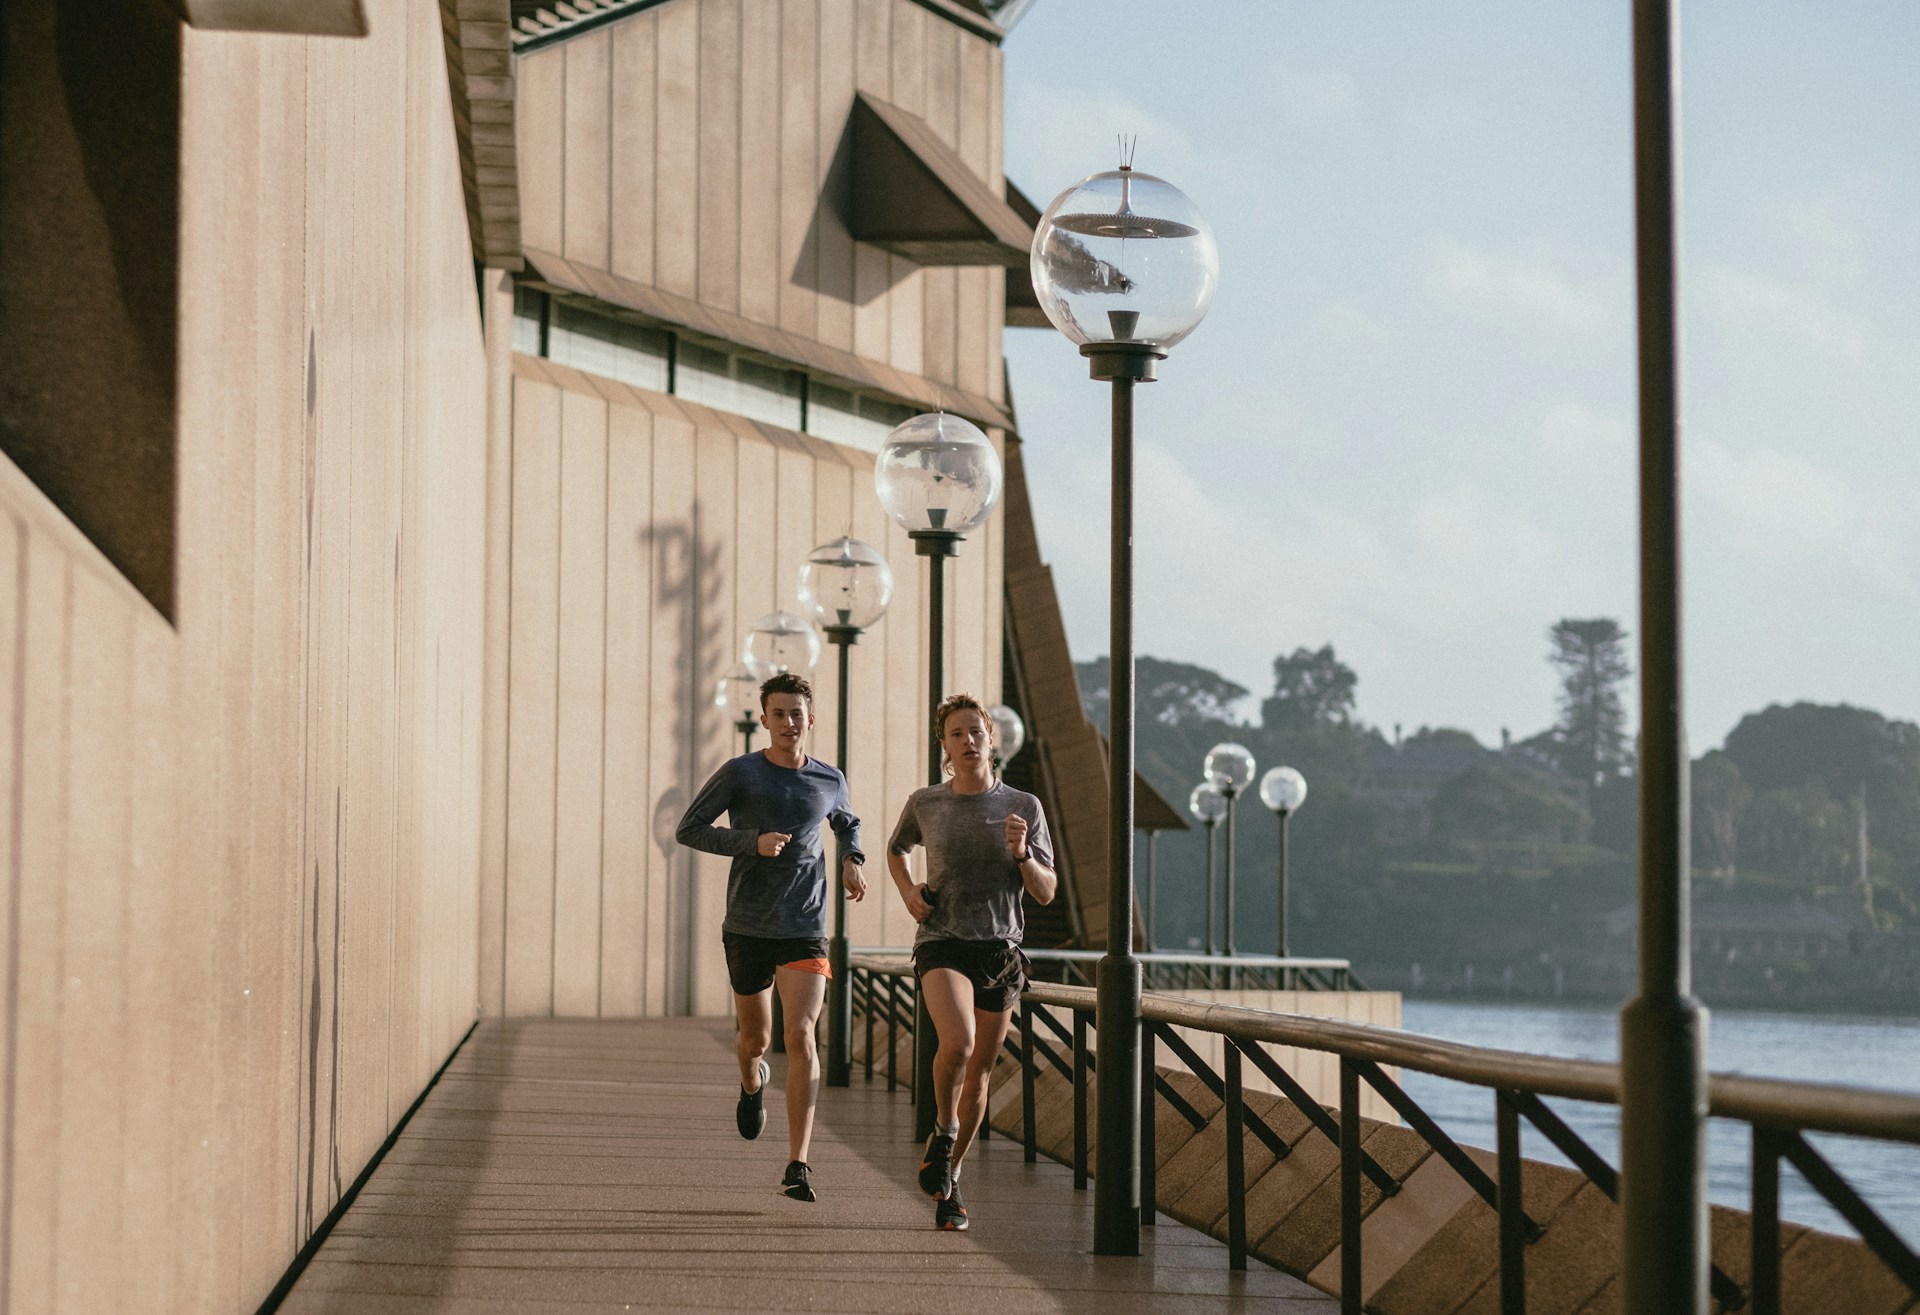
point(1401, 834)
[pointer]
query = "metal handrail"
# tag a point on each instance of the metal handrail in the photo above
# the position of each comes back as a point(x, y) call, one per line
point(895, 954)
point(1778, 1110)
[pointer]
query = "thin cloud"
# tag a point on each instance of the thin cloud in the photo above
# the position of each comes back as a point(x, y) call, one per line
point(1526, 290)
point(1778, 508)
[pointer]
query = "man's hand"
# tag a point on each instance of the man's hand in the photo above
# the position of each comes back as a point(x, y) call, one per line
point(1017, 837)
point(772, 842)
point(917, 903)
point(853, 879)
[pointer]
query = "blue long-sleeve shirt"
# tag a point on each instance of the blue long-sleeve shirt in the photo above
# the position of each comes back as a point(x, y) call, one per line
point(784, 896)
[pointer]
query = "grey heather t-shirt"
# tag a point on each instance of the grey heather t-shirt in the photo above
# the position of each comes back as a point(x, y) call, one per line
point(784, 896)
point(976, 883)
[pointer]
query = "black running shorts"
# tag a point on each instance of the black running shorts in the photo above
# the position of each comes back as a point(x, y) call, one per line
point(997, 969)
point(752, 959)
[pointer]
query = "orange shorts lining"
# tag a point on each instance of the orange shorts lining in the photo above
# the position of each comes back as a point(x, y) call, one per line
point(820, 966)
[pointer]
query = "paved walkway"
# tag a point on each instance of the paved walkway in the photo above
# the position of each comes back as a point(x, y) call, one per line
point(563, 1165)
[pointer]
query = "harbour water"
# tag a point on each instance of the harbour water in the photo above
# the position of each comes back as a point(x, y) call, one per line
point(1865, 1052)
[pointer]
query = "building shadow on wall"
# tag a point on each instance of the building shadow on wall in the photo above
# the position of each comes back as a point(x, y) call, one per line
point(689, 629)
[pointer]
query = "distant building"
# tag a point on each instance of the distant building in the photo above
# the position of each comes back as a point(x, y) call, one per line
point(1731, 932)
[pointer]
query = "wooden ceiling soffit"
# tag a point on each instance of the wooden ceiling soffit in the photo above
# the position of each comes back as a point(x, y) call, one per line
point(723, 328)
point(911, 194)
point(1023, 306)
point(313, 18)
point(479, 42)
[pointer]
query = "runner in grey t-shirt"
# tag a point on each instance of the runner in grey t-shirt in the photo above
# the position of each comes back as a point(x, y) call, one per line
point(987, 845)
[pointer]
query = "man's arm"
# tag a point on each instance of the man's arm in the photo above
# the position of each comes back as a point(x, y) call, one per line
point(697, 829)
point(846, 824)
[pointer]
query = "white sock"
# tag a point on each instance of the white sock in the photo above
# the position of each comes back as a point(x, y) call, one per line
point(950, 1129)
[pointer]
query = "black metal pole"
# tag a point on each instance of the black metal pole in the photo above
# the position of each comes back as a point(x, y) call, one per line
point(745, 726)
point(839, 987)
point(1282, 928)
point(1663, 1097)
point(936, 546)
point(1146, 893)
point(1228, 901)
point(1213, 919)
point(1116, 1179)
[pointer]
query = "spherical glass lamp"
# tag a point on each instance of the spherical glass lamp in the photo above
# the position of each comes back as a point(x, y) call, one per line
point(738, 694)
point(938, 473)
point(781, 641)
point(846, 583)
point(1207, 804)
point(1009, 732)
point(1283, 789)
point(1124, 257)
point(1229, 767)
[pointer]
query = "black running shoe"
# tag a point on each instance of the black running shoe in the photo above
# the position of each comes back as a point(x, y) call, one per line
point(750, 1115)
point(949, 1214)
point(936, 1166)
point(798, 1182)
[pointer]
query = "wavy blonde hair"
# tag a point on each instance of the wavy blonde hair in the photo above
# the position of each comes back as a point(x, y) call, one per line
point(959, 703)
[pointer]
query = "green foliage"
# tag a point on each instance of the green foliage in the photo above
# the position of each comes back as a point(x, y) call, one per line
point(1720, 795)
point(1311, 689)
point(1502, 804)
point(1800, 832)
point(1171, 693)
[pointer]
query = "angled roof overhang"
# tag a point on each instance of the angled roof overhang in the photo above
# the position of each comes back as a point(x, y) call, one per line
point(479, 43)
point(1023, 307)
point(654, 306)
point(538, 23)
point(911, 194)
point(313, 18)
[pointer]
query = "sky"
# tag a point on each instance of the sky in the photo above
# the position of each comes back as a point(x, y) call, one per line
point(1407, 426)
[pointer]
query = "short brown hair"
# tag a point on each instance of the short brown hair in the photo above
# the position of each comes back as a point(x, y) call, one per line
point(786, 682)
point(960, 703)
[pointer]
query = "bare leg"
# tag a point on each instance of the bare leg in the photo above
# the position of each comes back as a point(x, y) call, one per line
point(950, 1005)
point(990, 1030)
point(755, 1014)
point(801, 995)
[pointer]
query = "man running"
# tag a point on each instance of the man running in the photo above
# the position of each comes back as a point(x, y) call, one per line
point(775, 930)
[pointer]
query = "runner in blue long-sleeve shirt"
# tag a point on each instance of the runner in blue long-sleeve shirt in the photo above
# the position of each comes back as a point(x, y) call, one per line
point(778, 802)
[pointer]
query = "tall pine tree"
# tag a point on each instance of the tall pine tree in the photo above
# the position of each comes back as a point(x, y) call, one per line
point(1591, 657)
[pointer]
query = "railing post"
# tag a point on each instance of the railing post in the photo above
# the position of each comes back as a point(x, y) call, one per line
point(1513, 1218)
point(893, 1033)
point(1027, 1121)
point(1149, 1152)
point(1349, 1188)
point(1079, 1101)
point(1236, 1158)
point(867, 995)
point(1766, 1222)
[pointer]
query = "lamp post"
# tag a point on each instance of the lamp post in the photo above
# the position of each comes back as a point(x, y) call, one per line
point(1009, 735)
point(1208, 806)
point(781, 641)
point(1283, 789)
point(1230, 768)
point(845, 586)
point(738, 695)
point(939, 478)
point(1663, 1030)
point(1125, 266)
